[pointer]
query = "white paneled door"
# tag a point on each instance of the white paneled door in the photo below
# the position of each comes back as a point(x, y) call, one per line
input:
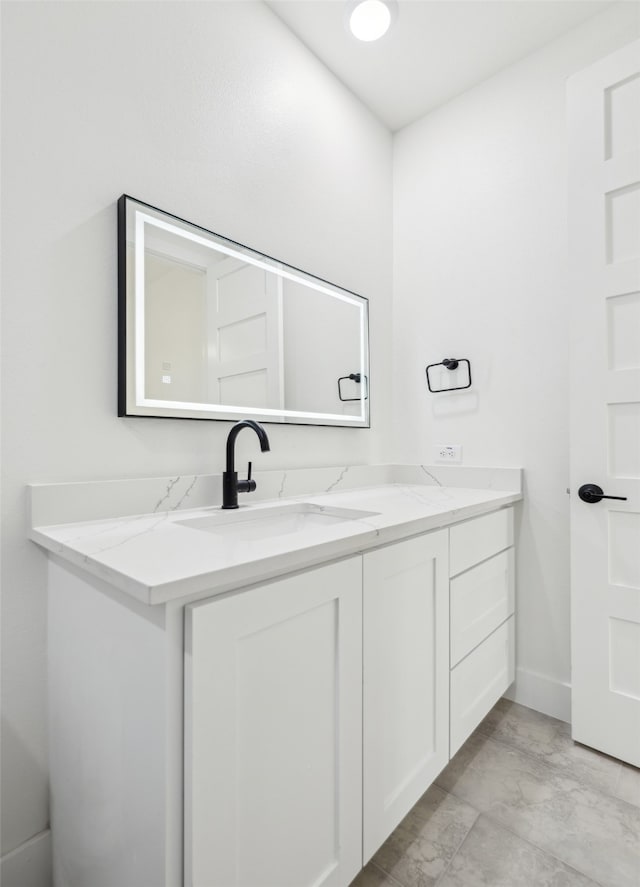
point(604, 224)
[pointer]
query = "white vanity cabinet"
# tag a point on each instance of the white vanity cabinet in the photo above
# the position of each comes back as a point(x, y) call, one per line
point(273, 733)
point(406, 679)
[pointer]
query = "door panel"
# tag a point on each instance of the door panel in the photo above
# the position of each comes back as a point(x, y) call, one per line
point(604, 225)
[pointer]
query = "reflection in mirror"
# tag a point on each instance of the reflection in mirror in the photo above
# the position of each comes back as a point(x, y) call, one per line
point(210, 329)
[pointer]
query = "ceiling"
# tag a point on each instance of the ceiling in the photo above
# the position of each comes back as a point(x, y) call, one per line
point(435, 50)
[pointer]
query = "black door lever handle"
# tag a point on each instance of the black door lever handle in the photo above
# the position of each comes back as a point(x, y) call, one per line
point(593, 493)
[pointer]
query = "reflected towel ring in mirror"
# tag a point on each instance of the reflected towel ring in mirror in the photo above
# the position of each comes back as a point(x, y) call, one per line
point(357, 378)
point(450, 363)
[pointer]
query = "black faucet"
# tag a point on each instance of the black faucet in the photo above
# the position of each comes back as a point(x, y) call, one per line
point(231, 486)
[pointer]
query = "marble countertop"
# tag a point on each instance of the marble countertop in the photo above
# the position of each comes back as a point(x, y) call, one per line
point(155, 558)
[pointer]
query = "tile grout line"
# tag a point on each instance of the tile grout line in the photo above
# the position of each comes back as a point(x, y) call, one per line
point(547, 852)
point(542, 850)
point(386, 874)
point(553, 768)
point(558, 768)
point(441, 875)
point(461, 844)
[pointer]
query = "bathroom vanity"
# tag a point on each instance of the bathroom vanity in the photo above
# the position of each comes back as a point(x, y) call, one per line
point(259, 699)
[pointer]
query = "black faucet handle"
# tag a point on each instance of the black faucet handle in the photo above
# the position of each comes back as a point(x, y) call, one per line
point(248, 485)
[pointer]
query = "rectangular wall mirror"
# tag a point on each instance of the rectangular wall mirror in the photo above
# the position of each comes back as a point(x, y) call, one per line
point(210, 329)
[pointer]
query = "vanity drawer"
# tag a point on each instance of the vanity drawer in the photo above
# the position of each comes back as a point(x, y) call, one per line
point(479, 681)
point(481, 599)
point(476, 540)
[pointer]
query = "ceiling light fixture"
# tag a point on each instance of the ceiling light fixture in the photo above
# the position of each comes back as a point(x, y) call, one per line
point(370, 19)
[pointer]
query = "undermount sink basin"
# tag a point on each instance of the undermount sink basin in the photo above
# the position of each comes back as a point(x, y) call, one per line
point(279, 520)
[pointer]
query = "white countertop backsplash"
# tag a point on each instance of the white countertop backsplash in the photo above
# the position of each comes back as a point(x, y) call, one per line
point(129, 532)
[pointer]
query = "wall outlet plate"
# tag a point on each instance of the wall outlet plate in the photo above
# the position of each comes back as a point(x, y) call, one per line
point(451, 453)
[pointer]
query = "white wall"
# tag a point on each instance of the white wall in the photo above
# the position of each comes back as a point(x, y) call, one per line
point(480, 246)
point(214, 112)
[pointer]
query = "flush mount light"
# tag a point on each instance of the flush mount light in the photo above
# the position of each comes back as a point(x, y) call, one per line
point(370, 19)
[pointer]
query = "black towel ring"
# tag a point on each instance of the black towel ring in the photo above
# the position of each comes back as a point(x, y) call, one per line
point(357, 378)
point(451, 363)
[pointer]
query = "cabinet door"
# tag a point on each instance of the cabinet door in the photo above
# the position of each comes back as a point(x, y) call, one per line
point(273, 742)
point(406, 679)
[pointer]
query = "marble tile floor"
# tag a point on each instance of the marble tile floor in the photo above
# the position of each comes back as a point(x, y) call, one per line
point(520, 805)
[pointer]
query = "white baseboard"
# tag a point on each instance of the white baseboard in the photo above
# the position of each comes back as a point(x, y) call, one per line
point(29, 865)
point(542, 693)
